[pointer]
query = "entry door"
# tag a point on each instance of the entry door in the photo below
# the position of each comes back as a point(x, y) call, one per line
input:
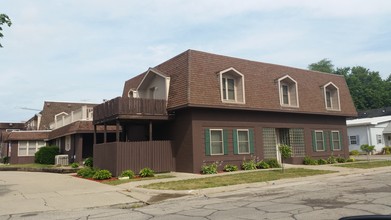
point(282, 135)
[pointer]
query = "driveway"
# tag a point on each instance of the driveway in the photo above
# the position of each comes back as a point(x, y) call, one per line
point(23, 192)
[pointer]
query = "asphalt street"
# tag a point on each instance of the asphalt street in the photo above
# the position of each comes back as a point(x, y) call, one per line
point(322, 197)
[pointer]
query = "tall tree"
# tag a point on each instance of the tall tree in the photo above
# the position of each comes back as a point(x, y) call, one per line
point(323, 65)
point(4, 19)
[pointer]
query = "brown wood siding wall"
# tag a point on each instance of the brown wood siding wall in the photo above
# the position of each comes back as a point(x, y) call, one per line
point(15, 159)
point(119, 156)
point(228, 119)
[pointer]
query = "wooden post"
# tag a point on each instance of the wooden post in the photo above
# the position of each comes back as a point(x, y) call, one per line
point(150, 130)
point(117, 131)
point(94, 134)
point(105, 134)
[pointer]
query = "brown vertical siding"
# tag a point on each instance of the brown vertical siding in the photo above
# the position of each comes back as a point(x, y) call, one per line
point(119, 156)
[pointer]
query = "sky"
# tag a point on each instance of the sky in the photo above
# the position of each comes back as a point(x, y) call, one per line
point(84, 50)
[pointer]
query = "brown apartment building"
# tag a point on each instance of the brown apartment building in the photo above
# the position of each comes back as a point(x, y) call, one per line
point(199, 108)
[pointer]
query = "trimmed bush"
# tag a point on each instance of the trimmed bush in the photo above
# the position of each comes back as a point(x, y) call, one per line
point(262, 165)
point(322, 161)
point(230, 168)
point(354, 153)
point(101, 175)
point(273, 163)
point(146, 172)
point(387, 150)
point(249, 165)
point(331, 160)
point(309, 161)
point(127, 173)
point(350, 159)
point(46, 155)
point(5, 160)
point(341, 160)
point(89, 162)
point(86, 172)
point(74, 165)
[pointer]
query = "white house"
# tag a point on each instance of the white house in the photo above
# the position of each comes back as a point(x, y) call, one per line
point(372, 131)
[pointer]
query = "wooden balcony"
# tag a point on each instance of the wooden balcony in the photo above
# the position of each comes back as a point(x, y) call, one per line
point(130, 108)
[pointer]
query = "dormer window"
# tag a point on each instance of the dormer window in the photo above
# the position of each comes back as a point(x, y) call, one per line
point(288, 92)
point(232, 86)
point(132, 94)
point(331, 96)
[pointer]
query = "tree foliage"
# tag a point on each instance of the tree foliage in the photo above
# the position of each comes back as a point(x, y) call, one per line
point(368, 89)
point(4, 19)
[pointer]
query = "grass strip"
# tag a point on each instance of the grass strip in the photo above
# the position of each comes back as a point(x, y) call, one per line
point(31, 165)
point(118, 181)
point(234, 179)
point(367, 164)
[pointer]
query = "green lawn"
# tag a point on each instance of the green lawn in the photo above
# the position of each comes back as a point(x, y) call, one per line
point(367, 164)
point(234, 179)
point(117, 182)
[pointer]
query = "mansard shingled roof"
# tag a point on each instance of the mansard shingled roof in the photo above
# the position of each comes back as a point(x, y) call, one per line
point(194, 81)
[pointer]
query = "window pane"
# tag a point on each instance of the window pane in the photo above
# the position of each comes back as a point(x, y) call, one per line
point(224, 89)
point(243, 142)
point(216, 141)
point(22, 148)
point(231, 89)
point(319, 141)
point(319, 136)
point(353, 140)
point(328, 99)
point(285, 94)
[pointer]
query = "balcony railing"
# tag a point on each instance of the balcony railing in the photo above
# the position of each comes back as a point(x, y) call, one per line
point(122, 107)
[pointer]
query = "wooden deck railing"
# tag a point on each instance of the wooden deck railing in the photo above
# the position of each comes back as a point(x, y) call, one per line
point(129, 106)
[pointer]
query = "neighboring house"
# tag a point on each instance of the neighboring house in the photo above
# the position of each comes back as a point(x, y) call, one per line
point(8, 127)
point(64, 124)
point(374, 131)
point(199, 108)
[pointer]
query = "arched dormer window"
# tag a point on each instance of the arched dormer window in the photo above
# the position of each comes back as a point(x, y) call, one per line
point(288, 93)
point(132, 94)
point(232, 86)
point(331, 97)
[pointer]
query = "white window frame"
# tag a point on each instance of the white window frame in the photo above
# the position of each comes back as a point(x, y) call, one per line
point(316, 141)
point(325, 90)
point(222, 141)
point(222, 74)
point(355, 139)
point(294, 84)
point(329, 97)
point(288, 94)
point(338, 140)
point(379, 139)
point(28, 144)
point(68, 141)
point(238, 141)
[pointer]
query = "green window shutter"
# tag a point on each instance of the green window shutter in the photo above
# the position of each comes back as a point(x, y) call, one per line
point(331, 141)
point(325, 140)
point(225, 141)
point(235, 141)
point(251, 141)
point(340, 140)
point(313, 141)
point(207, 141)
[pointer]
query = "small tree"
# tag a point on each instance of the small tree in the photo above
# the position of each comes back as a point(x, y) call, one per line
point(367, 148)
point(286, 152)
point(4, 19)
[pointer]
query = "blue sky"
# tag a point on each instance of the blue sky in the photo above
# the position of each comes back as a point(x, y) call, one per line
point(84, 50)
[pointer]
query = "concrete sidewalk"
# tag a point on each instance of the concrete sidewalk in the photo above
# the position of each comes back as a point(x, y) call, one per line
point(24, 192)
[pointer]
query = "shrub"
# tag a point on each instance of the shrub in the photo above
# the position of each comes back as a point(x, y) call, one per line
point(341, 160)
point(354, 153)
point(331, 160)
point(249, 165)
point(387, 150)
point(230, 168)
point(74, 165)
point(86, 172)
point(102, 175)
point(146, 172)
point(322, 161)
point(262, 165)
point(309, 161)
point(89, 162)
point(210, 168)
point(273, 163)
point(350, 159)
point(46, 155)
point(5, 160)
point(127, 173)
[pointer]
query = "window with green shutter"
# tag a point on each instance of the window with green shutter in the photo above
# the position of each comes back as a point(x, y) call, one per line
point(335, 140)
point(214, 142)
point(318, 140)
point(243, 141)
